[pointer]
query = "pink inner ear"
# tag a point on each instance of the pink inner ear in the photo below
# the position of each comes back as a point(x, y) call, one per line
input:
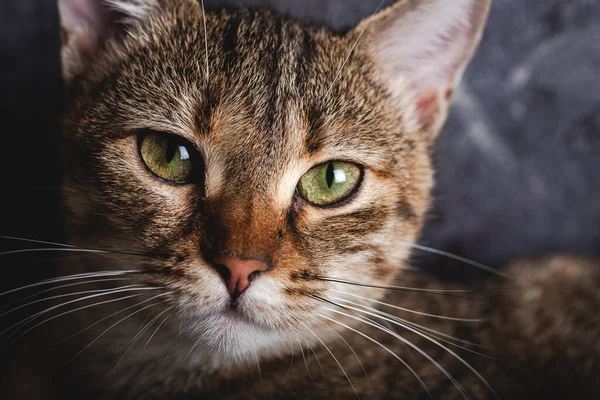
point(91, 17)
point(423, 47)
point(85, 26)
point(428, 105)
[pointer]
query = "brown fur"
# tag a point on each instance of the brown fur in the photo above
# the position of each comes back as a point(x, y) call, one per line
point(265, 114)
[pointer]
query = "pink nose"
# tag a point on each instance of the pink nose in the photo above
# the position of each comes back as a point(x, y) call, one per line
point(238, 273)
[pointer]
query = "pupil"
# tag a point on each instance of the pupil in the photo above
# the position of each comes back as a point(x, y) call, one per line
point(329, 175)
point(170, 151)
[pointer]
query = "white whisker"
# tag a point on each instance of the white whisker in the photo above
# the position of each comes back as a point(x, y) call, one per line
point(164, 360)
point(411, 329)
point(157, 328)
point(450, 342)
point(258, 369)
point(351, 349)
point(422, 328)
point(36, 241)
point(395, 287)
point(196, 343)
point(205, 40)
point(317, 358)
point(49, 249)
point(465, 260)
point(112, 326)
point(408, 309)
point(71, 278)
point(405, 341)
point(110, 316)
point(383, 347)
point(64, 295)
point(304, 358)
point(67, 312)
point(65, 286)
point(292, 360)
point(334, 358)
point(337, 75)
point(78, 309)
point(138, 335)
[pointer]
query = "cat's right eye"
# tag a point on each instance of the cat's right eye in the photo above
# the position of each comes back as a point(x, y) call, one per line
point(169, 157)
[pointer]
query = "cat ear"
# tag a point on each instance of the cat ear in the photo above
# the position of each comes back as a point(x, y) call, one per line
point(86, 25)
point(422, 48)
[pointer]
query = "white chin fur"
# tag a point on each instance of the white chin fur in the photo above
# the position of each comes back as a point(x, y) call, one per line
point(225, 341)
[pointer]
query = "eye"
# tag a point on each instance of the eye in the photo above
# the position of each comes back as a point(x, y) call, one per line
point(329, 183)
point(169, 157)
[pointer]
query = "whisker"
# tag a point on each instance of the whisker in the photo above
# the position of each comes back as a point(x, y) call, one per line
point(157, 328)
point(384, 329)
point(393, 287)
point(159, 366)
point(407, 342)
point(196, 343)
point(337, 75)
point(292, 360)
point(422, 328)
point(67, 312)
point(334, 357)
point(44, 249)
point(383, 347)
point(64, 247)
point(35, 241)
point(61, 296)
point(110, 316)
point(451, 343)
point(205, 40)
point(85, 275)
point(410, 329)
point(112, 326)
point(351, 349)
point(139, 335)
point(431, 330)
point(318, 361)
point(142, 325)
point(304, 358)
point(81, 308)
point(409, 310)
point(456, 257)
point(258, 369)
point(64, 286)
point(165, 358)
point(74, 250)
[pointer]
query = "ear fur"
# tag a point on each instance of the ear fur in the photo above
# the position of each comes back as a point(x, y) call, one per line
point(423, 48)
point(86, 25)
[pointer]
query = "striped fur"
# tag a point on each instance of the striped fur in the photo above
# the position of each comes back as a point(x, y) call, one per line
point(278, 97)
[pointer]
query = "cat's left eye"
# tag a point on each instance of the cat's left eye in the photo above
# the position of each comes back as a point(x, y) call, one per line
point(170, 157)
point(330, 183)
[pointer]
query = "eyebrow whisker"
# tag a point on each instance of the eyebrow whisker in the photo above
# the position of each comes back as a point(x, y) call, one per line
point(337, 75)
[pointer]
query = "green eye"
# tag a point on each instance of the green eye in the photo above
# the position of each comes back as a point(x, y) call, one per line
point(168, 156)
point(329, 183)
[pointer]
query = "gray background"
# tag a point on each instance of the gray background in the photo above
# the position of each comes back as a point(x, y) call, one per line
point(518, 161)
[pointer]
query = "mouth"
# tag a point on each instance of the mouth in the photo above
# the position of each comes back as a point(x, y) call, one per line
point(233, 312)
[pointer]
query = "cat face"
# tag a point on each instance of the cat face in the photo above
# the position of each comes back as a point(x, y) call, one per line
point(255, 161)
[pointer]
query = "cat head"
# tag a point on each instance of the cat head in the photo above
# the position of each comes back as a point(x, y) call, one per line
point(255, 161)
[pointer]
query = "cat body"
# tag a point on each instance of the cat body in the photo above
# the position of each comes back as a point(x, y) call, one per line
point(255, 186)
point(534, 340)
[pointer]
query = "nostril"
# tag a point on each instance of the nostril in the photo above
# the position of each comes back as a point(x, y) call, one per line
point(253, 275)
point(223, 271)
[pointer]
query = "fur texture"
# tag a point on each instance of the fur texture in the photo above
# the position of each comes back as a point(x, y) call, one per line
point(271, 108)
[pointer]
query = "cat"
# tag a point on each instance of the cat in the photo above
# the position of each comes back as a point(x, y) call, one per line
point(244, 191)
